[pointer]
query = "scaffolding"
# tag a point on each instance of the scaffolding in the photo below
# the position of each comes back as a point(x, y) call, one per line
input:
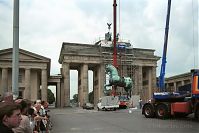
point(125, 60)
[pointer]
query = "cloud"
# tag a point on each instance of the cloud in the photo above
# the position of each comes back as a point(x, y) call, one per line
point(46, 24)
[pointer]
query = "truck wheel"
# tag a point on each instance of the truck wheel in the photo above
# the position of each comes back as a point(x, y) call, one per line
point(162, 111)
point(148, 111)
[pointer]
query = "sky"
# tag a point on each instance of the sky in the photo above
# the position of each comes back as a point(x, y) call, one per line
point(45, 24)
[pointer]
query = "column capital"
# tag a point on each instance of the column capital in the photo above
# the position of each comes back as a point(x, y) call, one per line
point(43, 68)
point(65, 69)
point(65, 63)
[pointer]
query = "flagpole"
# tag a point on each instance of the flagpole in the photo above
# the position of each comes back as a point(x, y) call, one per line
point(15, 53)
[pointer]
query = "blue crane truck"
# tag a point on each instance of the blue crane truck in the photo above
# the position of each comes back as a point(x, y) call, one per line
point(167, 104)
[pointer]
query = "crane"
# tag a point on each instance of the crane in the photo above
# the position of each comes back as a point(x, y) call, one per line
point(115, 80)
point(165, 104)
point(161, 85)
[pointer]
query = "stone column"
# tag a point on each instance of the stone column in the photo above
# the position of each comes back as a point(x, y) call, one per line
point(4, 79)
point(58, 96)
point(140, 80)
point(84, 82)
point(175, 86)
point(27, 90)
point(154, 82)
point(135, 90)
point(62, 94)
point(150, 86)
point(98, 82)
point(44, 85)
point(66, 87)
point(183, 83)
point(101, 80)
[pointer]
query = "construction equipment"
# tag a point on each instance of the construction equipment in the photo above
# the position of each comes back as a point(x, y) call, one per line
point(161, 85)
point(165, 104)
point(112, 69)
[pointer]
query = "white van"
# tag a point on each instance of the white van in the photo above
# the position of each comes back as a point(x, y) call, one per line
point(108, 103)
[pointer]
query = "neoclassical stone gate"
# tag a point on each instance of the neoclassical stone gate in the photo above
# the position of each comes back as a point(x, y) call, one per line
point(140, 64)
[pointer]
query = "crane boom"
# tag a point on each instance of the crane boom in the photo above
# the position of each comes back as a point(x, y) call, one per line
point(114, 33)
point(163, 65)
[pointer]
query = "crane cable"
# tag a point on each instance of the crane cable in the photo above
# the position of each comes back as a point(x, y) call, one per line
point(119, 19)
point(195, 52)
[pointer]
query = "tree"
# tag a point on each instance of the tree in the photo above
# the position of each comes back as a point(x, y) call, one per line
point(91, 97)
point(51, 97)
point(75, 98)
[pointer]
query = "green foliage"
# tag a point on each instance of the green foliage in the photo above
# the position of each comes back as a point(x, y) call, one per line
point(91, 97)
point(75, 98)
point(51, 97)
